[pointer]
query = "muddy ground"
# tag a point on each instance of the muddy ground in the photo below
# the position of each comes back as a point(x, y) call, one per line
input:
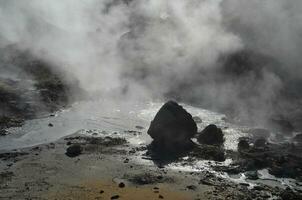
point(107, 168)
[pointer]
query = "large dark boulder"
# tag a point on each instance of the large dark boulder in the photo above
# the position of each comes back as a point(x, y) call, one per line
point(172, 128)
point(211, 135)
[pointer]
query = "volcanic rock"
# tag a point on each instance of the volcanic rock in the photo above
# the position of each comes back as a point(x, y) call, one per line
point(243, 145)
point(172, 128)
point(211, 135)
point(252, 175)
point(74, 150)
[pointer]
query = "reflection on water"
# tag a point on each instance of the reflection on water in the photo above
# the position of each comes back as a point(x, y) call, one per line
point(107, 116)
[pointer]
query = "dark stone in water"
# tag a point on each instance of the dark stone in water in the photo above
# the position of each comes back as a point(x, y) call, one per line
point(243, 145)
point(172, 128)
point(74, 150)
point(252, 175)
point(211, 135)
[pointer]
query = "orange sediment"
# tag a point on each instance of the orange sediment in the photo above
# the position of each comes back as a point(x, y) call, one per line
point(109, 190)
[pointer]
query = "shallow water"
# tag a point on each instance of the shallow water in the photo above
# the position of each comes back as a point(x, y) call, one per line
point(108, 116)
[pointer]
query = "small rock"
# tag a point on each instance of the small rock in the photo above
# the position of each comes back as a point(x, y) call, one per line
point(191, 187)
point(139, 127)
point(115, 197)
point(74, 150)
point(243, 145)
point(50, 125)
point(211, 135)
point(197, 119)
point(121, 185)
point(244, 184)
point(160, 197)
point(258, 188)
point(252, 175)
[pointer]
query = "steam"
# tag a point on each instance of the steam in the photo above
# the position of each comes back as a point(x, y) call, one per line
point(99, 41)
point(272, 27)
point(152, 48)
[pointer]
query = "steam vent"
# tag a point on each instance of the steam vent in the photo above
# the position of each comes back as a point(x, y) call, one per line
point(172, 128)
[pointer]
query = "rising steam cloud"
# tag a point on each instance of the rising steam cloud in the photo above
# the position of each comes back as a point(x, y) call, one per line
point(151, 48)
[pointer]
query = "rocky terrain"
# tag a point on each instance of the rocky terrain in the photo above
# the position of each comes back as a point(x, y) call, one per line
point(95, 164)
point(105, 168)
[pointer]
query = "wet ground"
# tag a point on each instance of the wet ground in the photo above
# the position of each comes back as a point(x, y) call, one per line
point(34, 164)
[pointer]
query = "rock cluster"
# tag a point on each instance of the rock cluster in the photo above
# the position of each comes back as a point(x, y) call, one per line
point(172, 130)
point(282, 160)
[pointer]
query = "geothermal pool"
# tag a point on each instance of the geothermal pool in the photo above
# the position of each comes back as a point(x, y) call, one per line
point(118, 119)
point(108, 117)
